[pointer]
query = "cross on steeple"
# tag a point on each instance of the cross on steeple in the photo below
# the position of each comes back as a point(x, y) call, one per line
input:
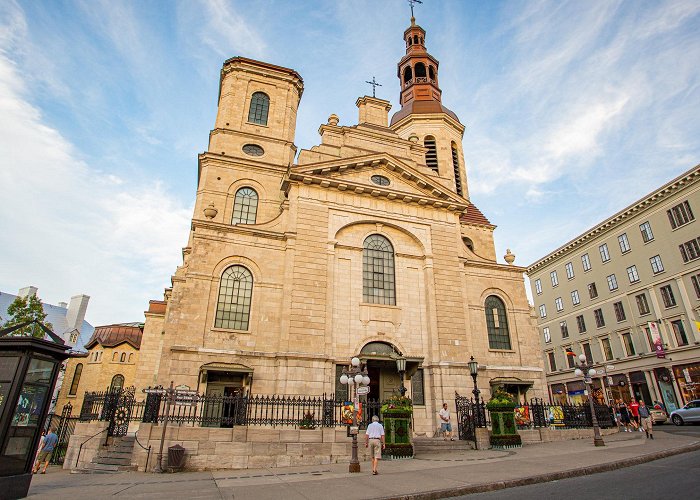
point(412, 3)
point(374, 85)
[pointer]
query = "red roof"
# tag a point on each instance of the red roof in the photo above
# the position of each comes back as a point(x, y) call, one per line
point(156, 306)
point(474, 216)
point(113, 335)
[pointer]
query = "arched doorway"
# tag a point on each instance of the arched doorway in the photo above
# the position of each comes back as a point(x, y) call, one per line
point(385, 380)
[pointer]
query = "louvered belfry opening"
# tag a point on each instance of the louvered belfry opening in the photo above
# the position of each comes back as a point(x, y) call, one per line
point(455, 164)
point(431, 154)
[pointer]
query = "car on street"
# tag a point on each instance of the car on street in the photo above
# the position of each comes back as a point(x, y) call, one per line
point(657, 416)
point(689, 413)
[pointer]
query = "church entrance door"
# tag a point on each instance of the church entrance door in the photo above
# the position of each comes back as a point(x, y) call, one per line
point(384, 379)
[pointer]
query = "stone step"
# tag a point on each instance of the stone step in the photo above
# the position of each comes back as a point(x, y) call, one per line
point(112, 460)
point(439, 445)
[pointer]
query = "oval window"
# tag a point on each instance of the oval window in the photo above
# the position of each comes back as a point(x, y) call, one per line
point(380, 180)
point(253, 150)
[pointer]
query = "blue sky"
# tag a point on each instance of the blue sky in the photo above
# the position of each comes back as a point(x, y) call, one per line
point(573, 111)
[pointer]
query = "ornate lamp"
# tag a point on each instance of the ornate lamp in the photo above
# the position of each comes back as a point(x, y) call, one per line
point(401, 367)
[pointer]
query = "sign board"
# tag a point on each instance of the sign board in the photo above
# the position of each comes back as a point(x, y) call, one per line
point(154, 391)
point(362, 390)
point(185, 397)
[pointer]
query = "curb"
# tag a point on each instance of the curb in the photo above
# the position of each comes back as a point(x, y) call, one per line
point(544, 478)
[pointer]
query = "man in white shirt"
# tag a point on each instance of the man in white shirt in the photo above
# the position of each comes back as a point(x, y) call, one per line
point(374, 440)
point(445, 424)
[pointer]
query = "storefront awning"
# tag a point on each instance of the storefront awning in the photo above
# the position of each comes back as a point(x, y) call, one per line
point(510, 381)
point(226, 367)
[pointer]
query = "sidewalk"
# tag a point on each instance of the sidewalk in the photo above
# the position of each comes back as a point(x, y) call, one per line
point(435, 476)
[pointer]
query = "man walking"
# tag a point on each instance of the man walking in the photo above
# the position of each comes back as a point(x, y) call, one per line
point(634, 410)
point(445, 424)
point(374, 440)
point(45, 451)
point(647, 421)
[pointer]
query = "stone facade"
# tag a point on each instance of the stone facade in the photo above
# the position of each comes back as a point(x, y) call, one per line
point(309, 310)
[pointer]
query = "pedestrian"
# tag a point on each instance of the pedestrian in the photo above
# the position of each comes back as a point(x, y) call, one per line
point(647, 421)
point(445, 424)
point(374, 440)
point(45, 450)
point(634, 411)
point(624, 415)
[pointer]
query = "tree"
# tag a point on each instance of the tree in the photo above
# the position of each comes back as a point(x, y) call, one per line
point(25, 309)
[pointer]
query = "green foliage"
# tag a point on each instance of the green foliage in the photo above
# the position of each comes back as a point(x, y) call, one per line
point(500, 399)
point(308, 421)
point(397, 404)
point(25, 309)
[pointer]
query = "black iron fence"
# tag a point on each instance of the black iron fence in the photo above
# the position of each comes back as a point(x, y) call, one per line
point(63, 425)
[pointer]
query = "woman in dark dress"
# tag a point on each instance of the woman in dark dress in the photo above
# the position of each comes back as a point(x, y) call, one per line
point(624, 415)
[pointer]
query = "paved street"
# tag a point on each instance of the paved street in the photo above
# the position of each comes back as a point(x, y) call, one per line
point(673, 477)
point(692, 430)
point(439, 475)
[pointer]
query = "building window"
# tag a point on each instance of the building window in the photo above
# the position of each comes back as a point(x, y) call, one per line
point(690, 250)
point(629, 345)
point(575, 299)
point(569, 270)
point(642, 304)
point(378, 279)
point(418, 388)
point(581, 323)
point(588, 353)
point(117, 383)
point(645, 229)
point(680, 214)
point(599, 319)
point(604, 254)
point(552, 362)
point(695, 280)
point(538, 286)
point(559, 304)
point(656, 264)
point(679, 332)
point(632, 274)
point(259, 108)
point(569, 359)
point(607, 349)
point(543, 311)
point(497, 323)
point(624, 243)
point(380, 180)
point(431, 153)
point(667, 296)
point(245, 206)
point(341, 390)
point(553, 277)
point(619, 311)
point(586, 261)
point(74, 337)
point(122, 359)
point(76, 379)
point(564, 329)
point(235, 294)
point(592, 290)
point(647, 330)
point(612, 282)
point(455, 166)
point(547, 335)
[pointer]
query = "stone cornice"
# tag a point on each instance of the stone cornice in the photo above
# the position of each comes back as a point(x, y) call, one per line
point(247, 229)
point(651, 200)
point(429, 117)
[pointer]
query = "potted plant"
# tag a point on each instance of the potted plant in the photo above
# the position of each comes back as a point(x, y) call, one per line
point(308, 421)
point(396, 416)
point(504, 433)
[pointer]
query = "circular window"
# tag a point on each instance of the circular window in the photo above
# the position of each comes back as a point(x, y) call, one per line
point(380, 180)
point(253, 150)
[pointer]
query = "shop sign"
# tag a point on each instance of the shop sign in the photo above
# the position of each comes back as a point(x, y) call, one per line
point(656, 338)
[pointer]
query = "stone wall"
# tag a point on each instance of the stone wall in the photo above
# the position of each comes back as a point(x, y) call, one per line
point(91, 435)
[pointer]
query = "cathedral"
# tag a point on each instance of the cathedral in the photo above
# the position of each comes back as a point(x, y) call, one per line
point(364, 245)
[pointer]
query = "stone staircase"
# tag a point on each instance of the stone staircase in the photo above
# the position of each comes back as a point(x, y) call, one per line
point(113, 458)
point(437, 445)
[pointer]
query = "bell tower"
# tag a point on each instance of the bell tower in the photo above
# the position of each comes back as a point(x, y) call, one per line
point(422, 114)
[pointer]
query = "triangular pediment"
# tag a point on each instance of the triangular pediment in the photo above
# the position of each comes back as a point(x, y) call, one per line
point(406, 183)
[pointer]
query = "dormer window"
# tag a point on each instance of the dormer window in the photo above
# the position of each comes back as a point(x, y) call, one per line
point(259, 108)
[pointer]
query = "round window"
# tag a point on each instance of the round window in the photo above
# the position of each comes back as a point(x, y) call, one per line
point(380, 180)
point(253, 150)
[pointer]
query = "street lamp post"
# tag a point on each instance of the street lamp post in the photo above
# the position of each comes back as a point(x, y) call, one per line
point(474, 371)
point(354, 376)
point(401, 367)
point(587, 371)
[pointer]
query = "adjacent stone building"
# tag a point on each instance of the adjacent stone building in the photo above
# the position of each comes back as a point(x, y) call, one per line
point(366, 244)
point(609, 290)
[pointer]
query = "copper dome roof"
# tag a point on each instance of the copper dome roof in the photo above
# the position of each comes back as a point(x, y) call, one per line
point(114, 335)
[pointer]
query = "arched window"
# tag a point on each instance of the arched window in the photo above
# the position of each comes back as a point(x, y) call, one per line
point(115, 356)
point(245, 206)
point(117, 383)
point(431, 72)
point(407, 74)
point(123, 358)
point(415, 38)
point(455, 165)
point(378, 282)
point(130, 354)
point(497, 323)
point(259, 108)
point(235, 292)
point(431, 154)
point(420, 70)
point(76, 379)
